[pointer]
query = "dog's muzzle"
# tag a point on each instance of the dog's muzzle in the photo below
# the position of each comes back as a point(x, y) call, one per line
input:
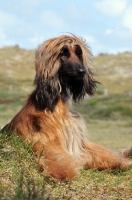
point(80, 71)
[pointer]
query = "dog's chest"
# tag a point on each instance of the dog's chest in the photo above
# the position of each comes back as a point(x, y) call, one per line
point(74, 134)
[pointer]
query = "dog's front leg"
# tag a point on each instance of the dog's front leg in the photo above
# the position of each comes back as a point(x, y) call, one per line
point(56, 162)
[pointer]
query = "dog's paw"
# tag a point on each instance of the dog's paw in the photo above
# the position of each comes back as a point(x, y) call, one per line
point(126, 153)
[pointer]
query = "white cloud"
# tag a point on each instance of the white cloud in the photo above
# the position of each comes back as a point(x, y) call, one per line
point(36, 2)
point(4, 41)
point(123, 35)
point(7, 20)
point(25, 4)
point(33, 2)
point(73, 12)
point(108, 32)
point(52, 20)
point(112, 8)
point(36, 40)
point(127, 18)
point(95, 45)
point(90, 39)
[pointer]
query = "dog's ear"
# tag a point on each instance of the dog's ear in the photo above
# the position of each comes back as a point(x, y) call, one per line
point(90, 83)
point(47, 63)
point(47, 83)
point(47, 93)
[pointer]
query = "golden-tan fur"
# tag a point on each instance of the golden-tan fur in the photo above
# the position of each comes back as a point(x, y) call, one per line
point(51, 49)
point(59, 133)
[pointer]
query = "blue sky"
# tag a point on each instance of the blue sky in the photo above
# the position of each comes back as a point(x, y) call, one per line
point(105, 24)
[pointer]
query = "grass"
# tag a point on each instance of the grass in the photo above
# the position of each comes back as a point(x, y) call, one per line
point(108, 108)
point(21, 180)
point(108, 117)
point(114, 72)
point(19, 176)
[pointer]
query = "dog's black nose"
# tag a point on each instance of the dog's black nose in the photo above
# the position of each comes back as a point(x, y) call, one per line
point(81, 71)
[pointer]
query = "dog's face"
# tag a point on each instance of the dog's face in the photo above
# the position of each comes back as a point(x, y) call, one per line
point(72, 72)
point(63, 71)
point(71, 63)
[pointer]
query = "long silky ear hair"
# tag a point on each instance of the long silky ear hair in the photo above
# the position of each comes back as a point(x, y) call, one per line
point(47, 93)
point(46, 80)
point(91, 83)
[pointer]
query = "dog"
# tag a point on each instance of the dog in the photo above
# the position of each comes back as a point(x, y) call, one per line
point(47, 120)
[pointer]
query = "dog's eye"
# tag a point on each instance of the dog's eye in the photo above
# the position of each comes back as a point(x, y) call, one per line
point(78, 51)
point(65, 52)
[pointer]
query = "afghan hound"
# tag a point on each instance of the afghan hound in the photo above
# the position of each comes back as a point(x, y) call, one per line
point(48, 122)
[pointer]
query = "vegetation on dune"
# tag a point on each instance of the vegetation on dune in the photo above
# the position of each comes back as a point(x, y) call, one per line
point(21, 180)
point(108, 116)
point(108, 108)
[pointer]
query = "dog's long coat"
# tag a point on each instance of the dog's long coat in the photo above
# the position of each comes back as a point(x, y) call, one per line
point(47, 120)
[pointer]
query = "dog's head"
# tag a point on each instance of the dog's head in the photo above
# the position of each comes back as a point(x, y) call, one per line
point(63, 69)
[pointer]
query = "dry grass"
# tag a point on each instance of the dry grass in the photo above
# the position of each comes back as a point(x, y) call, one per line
point(108, 117)
point(114, 72)
point(21, 180)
